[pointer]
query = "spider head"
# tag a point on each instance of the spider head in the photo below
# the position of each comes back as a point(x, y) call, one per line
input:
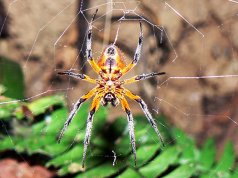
point(109, 98)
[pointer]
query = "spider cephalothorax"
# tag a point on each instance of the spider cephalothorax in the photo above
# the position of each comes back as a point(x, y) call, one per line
point(109, 88)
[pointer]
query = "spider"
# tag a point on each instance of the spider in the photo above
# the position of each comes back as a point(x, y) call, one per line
point(109, 89)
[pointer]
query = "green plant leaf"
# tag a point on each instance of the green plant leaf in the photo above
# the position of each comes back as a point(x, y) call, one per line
point(207, 157)
point(11, 77)
point(161, 163)
point(103, 170)
point(41, 105)
point(227, 160)
point(67, 157)
point(179, 159)
point(184, 171)
point(7, 108)
point(129, 172)
point(187, 145)
point(6, 143)
point(224, 166)
point(235, 173)
point(144, 154)
point(55, 148)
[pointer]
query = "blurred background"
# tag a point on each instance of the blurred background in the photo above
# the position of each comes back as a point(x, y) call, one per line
point(194, 42)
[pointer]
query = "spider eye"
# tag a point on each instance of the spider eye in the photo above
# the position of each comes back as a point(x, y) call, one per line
point(111, 51)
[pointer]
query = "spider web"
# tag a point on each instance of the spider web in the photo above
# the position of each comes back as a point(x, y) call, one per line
point(200, 70)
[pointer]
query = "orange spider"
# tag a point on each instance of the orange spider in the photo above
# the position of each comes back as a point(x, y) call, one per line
point(110, 67)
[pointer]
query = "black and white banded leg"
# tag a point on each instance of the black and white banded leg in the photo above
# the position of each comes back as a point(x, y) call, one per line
point(148, 115)
point(76, 107)
point(137, 52)
point(139, 46)
point(78, 76)
point(89, 52)
point(130, 120)
point(89, 38)
point(94, 108)
point(142, 77)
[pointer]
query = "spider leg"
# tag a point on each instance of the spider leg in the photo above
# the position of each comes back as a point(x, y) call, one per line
point(144, 108)
point(93, 109)
point(141, 77)
point(89, 53)
point(76, 107)
point(137, 53)
point(78, 76)
point(126, 108)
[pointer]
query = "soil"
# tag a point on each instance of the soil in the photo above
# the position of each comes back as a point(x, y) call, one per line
point(11, 168)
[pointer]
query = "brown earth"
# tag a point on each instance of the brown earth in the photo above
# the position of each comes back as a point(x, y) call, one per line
point(12, 169)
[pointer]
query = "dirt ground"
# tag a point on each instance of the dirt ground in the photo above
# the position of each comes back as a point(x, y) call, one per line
point(45, 37)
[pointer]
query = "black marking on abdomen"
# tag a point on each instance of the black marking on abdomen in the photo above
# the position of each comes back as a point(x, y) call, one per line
point(110, 62)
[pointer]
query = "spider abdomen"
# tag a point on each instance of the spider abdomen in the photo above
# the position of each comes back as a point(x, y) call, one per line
point(111, 60)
